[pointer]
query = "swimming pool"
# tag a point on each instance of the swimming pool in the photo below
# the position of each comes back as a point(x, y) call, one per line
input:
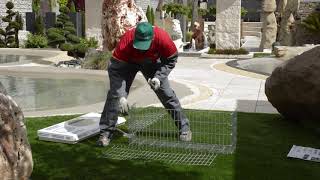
point(36, 94)
point(8, 59)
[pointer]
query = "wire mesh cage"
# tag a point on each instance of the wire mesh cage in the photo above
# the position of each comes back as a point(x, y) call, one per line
point(154, 134)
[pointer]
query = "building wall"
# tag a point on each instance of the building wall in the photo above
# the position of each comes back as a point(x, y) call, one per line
point(22, 6)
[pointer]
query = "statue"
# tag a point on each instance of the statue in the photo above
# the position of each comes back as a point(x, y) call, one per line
point(198, 37)
point(287, 10)
point(269, 28)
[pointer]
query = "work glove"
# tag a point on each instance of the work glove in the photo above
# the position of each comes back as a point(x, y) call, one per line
point(124, 106)
point(154, 83)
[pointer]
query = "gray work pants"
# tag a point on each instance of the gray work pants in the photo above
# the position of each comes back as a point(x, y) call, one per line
point(121, 76)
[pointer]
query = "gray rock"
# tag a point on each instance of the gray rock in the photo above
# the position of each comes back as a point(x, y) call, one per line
point(15, 153)
point(294, 87)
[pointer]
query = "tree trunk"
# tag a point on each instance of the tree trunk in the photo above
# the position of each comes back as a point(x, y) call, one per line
point(194, 12)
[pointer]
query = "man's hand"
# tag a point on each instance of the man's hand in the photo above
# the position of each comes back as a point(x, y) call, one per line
point(123, 105)
point(154, 83)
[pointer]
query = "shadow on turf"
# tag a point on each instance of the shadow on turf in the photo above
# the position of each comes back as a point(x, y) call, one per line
point(61, 161)
point(263, 142)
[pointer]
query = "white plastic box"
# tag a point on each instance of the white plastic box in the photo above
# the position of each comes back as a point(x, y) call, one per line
point(74, 130)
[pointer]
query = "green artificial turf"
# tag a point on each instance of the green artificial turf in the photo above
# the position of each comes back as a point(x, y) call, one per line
point(262, 145)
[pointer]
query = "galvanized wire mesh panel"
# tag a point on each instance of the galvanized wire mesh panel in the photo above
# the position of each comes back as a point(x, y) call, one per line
point(155, 136)
point(121, 152)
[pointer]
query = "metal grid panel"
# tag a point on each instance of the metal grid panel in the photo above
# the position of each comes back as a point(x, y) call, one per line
point(211, 131)
point(128, 153)
point(154, 136)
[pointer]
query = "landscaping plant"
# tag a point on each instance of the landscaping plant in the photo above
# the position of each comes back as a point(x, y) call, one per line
point(63, 35)
point(312, 23)
point(36, 41)
point(9, 35)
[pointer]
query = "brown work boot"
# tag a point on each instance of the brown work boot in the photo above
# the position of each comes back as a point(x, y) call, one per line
point(186, 136)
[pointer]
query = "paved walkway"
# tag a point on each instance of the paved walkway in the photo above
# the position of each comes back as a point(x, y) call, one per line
point(230, 91)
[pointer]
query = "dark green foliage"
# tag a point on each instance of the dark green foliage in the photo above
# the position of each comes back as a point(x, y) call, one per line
point(64, 10)
point(97, 61)
point(18, 25)
point(2, 32)
point(39, 25)
point(9, 5)
point(244, 11)
point(312, 23)
point(36, 41)
point(148, 14)
point(9, 35)
point(261, 55)
point(175, 8)
point(152, 16)
point(72, 7)
point(73, 38)
point(67, 47)
point(90, 43)
point(240, 51)
point(63, 3)
point(63, 35)
point(36, 6)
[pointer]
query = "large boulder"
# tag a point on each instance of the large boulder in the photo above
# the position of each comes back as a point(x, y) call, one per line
point(15, 153)
point(294, 87)
point(118, 16)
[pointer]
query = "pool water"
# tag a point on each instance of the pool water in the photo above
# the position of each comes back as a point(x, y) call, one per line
point(34, 94)
point(20, 59)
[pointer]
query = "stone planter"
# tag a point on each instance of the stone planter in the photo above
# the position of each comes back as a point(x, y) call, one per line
point(226, 56)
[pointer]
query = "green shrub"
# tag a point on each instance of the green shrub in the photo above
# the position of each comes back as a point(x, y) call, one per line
point(312, 23)
point(36, 41)
point(244, 12)
point(152, 16)
point(67, 47)
point(212, 46)
point(63, 35)
point(176, 8)
point(240, 51)
point(90, 43)
point(36, 6)
point(260, 55)
point(72, 7)
point(39, 25)
point(188, 36)
point(63, 3)
point(9, 35)
point(9, 5)
point(97, 61)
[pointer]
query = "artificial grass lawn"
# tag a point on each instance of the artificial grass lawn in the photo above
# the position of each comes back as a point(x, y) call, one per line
point(263, 143)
